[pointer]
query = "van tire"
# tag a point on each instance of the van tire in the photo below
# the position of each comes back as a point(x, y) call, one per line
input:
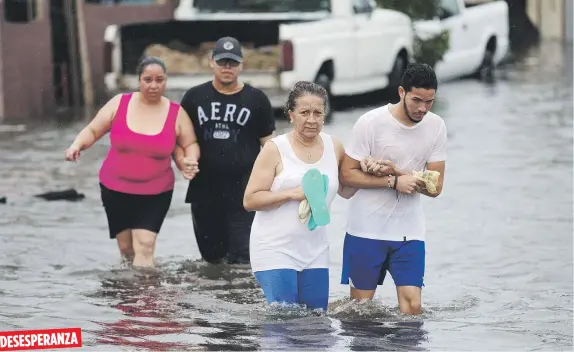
point(396, 74)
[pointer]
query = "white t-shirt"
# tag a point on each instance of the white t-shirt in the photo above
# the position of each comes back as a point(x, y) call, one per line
point(377, 213)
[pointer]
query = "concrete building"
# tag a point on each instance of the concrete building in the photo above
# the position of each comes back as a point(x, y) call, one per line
point(42, 41)
point(553, 18)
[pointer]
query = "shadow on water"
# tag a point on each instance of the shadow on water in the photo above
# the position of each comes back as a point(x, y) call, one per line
point(380, 336)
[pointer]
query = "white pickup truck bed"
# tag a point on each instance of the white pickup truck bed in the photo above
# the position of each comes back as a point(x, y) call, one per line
point(348, 46)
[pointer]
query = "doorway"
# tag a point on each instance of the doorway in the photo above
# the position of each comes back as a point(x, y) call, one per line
point(65, 55)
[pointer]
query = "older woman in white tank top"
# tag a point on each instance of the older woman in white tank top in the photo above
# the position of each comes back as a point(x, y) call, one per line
point(291, 262)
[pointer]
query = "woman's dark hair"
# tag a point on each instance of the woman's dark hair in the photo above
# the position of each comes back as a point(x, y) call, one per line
point(303, 88)
point(150, 60)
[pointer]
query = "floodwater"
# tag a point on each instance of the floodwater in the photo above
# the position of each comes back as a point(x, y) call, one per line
point(499, 268)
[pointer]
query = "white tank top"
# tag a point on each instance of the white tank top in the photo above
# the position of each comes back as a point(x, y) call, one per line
point(278, 239)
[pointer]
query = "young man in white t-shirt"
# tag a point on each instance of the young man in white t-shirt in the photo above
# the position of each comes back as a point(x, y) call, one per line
point(386, 223)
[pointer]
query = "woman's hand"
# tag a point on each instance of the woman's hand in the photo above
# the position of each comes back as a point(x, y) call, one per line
point(383, 168)
point(378, 167)
point(297, 194)
point(72, 153)
point(190, 168)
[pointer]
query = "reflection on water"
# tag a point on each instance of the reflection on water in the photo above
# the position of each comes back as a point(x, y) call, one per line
point(157, 313)
point(145, 316)
point(499, 243)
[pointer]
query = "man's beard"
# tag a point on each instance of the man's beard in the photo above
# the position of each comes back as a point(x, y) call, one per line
point(408, 113)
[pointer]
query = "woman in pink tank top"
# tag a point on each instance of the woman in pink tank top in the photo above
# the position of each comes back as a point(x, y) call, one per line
point(136, 178)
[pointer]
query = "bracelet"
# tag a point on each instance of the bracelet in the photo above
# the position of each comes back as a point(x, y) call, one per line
point(389, 182)
point(395, 185)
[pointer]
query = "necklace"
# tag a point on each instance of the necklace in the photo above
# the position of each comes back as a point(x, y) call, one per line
point(308, 148)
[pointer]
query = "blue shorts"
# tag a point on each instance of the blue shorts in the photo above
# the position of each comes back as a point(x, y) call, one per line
point(366, 261)
point(309, 287)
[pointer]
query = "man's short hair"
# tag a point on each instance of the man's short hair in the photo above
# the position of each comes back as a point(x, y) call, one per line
point(419, 75)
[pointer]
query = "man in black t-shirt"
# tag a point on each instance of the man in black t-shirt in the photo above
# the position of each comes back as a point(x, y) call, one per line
point(232, 120)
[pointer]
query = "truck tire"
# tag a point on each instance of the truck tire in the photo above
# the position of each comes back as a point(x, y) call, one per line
point(397, 73)
point(325, 81)
point(486, 69)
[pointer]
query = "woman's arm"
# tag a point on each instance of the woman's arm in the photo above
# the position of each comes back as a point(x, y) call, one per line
point(257, 194)
point(99, 126)
point(186, 137)
point(344, 191)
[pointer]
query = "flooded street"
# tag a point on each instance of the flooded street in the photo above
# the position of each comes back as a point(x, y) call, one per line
point(499, 243)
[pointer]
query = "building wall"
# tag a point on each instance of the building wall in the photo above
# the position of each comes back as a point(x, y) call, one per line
point(98, 17)
point(1, 61)
point(550, 17)
point(569, 18)
point(26, 65)
point(26, 72)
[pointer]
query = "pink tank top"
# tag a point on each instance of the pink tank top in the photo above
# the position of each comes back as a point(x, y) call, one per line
point(138, 163)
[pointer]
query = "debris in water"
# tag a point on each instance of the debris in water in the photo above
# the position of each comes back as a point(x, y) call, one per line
point(69, 195)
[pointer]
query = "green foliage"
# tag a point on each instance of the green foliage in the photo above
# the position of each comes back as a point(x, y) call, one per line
point(415, 9)
point(431, 50)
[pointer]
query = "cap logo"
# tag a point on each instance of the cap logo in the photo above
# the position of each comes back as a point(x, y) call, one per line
point(228, 45)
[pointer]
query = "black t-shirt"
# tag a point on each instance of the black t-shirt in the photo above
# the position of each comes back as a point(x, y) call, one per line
point(228, 129)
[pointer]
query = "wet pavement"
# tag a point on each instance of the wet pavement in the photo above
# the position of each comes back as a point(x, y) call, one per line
point(499, 253)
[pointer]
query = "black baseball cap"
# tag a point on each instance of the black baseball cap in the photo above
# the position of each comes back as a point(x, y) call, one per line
point(228, 48)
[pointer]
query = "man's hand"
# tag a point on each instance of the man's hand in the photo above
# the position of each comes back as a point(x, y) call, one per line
point(409, 184)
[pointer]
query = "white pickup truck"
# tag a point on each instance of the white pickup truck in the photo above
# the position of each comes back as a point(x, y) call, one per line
point(479, 36)
point(348, 46)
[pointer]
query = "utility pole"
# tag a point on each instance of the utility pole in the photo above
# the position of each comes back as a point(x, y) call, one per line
point(73, 54)
point(88, 87)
